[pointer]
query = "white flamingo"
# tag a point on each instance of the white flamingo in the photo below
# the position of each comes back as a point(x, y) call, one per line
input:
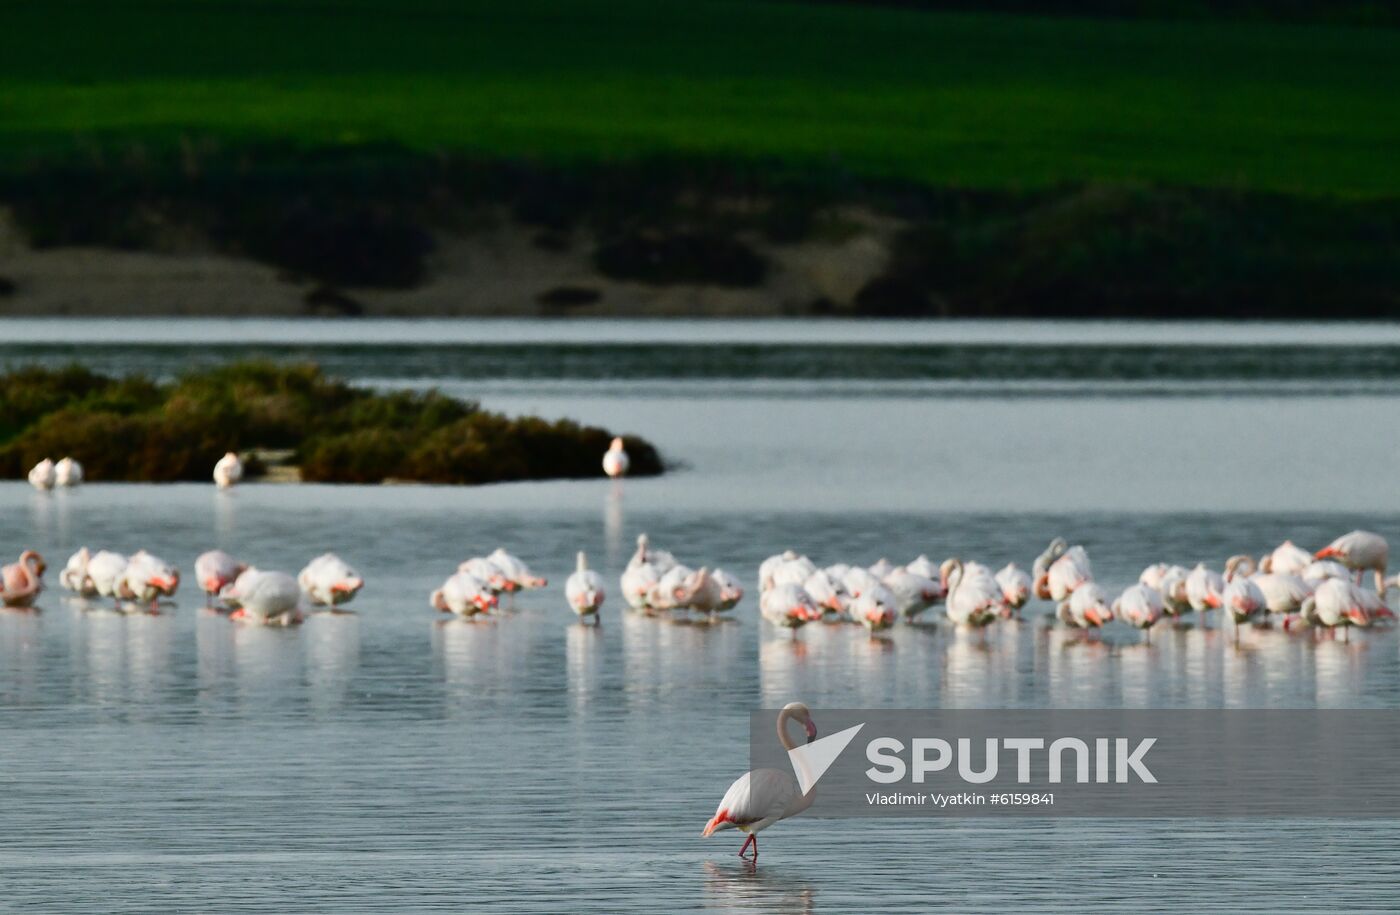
point(147, 579)
point(615, 461)
point(584, 589)
point(68, 472)
point(464, 594)
point(762, 797)
point(1086, 607)
point(1015, 585)
point(1140, 605)
point(228, 471)
point(730, 589)
point(974, 598)
point(328, 581)
point(1203, 587)
point(270, 598)
point(875, 609)
point(74, 576)
point(215, 570)
point(517, 574)
point(788, 607)
point(105, 570)
point(1359, 551)
point(1286, 559)
point(42, 475)
point(1175, 601)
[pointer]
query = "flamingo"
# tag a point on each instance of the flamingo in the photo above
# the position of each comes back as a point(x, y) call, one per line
point(1040, 568)
point(146, 579)
point(584, 589)
point(487, 571)
point(767, 567)
point(1015, 585)
point(827, 592)
point(1140, 605)
point(1243, 599)
point(464, 594)
point(22, 580)
point(1203, 587)
point(1333, 604)
point(974, 597)
point(68, 472)
point(41, 475)
point(875, 609)
point(913, 593)
point(702, 592)
point(788, 607)
point(1174, 599)
point(228, 471)
point(762, 797)
point(645, 555)
point(1287, 559)
point(1152, 575)
point(270, 598)
point(105, 570)
point(671, 591)
point(791, 572)
point(731, 591)
point(1087, 607)
point(638, 583)
point(1360, 550)
point(517, 573)
point(74, 576)
point(214, 570)
point(1067, 573)
point(328, 581)
point(616, 462)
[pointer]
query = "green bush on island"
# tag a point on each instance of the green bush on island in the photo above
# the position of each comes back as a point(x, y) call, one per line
point(136, 429)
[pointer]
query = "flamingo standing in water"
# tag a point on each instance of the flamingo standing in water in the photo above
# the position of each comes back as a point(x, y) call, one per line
point(270, 598)
point(761, 797)
point(42, 475)
point(875, 609)
point(22, 580)
point(1086, 608)
point(974, 598)
point(1334, 603)
point(68, 472)
point(914, 593)
point(730, 590)
point(328, 581)
point(104, 571)
point(584, 589)
point(215, 570)
point(1203, 587)
point(1015, 585)
point(1067, 574)
point(74, 576)
point(228, 471)
point(146, 579)
point(616, 462)
point(788, 607)
point(1360, 550)
point(1141, 606)
point(1286, 559)
point(464, 594)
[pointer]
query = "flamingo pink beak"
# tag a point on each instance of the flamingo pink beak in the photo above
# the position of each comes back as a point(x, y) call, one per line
point(1093, 616)
point(1358, 617)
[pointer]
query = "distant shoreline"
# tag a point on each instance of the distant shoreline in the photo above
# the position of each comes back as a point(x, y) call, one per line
point(399, 235)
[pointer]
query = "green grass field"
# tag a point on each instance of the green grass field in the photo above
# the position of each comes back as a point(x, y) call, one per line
point(982, 101)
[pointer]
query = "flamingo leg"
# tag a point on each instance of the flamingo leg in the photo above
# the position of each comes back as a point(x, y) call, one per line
point(751, 840)
point(755, 846)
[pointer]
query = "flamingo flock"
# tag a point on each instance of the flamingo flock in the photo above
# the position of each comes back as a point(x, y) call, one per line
point(1325, 589)
point(141, 581)
point(1289, 586)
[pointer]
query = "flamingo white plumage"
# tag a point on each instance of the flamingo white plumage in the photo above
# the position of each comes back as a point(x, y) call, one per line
point(329, 581)
point(1203, 587)
point(68, 472)
point(74, 576)
point(215, 570)
point(584, 589)
point(42, 475)
point(269, 598)
point(1140, 605)
point(1359, 551)
point(464, 594)
point(1015, 585)
point(616, 462)
point(876, 609)
point(761, 797)
point(1086, 607)
point(788, 607)
point(228, 471)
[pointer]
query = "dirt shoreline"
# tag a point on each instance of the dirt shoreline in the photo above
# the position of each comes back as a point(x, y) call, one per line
point(500, 272)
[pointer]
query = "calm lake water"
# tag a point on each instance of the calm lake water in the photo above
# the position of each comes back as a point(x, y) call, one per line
point(391, 760)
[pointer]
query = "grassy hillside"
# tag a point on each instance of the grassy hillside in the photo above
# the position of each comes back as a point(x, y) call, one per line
point(946, 99)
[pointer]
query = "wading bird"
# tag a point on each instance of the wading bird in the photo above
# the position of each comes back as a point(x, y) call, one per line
point(761, 797)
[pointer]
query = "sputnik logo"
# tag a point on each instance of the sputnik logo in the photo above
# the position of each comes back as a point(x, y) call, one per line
point(810, 762)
